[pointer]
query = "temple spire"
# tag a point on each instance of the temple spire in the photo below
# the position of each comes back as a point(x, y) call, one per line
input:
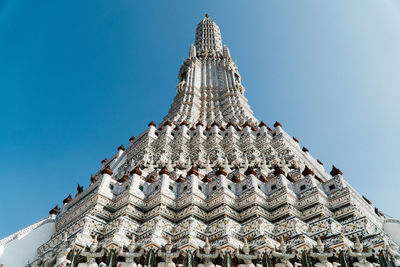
point(208, 35)
point(210, 87)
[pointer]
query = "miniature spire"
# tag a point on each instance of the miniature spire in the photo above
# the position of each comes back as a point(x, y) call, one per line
point(226, 52)
point(335, 171)
point(262, 178)
point(79, 189)
point(235, 178)
point(151, 179)
point(107, 170)
point(249, 171)
point(192, 51)
point(54, 210)
point(307, 171)
point(93, 179)
point(136, 171)
point(193, 171)
point(164, 170)
point(67, 199)
point(180, 179)
point(221, 171)
point(206, 179)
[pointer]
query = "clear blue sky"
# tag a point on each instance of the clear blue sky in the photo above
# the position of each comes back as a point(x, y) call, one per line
point(78, 78)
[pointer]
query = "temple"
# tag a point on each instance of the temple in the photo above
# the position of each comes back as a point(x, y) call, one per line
point(210, 185)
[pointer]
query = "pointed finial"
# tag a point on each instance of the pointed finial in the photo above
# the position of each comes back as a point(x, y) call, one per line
point(206, 15)
point(79, 189)
point(136, 171)
point(235, 178)
point(54, 210)
point(67, 200)
point(107, 170)
point(221, 171)
point(335, 171)
point(206, 179)
point(93, 179)
point(164, 170)
point(262, 178)
point(180, 179)
point(249, 171)
point(193, 171)
point(151, 179)
point(307, 171)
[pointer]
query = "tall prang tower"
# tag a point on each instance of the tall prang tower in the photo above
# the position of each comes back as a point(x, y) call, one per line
point(211, 185)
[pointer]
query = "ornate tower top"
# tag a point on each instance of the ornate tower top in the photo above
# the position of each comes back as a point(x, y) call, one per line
point(208, 35)
point(210, 87)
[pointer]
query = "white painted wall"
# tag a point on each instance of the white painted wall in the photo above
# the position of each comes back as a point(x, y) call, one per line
point(23, 249)
point(392, 228)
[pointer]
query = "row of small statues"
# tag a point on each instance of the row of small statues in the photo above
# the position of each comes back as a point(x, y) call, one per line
point(284, 259)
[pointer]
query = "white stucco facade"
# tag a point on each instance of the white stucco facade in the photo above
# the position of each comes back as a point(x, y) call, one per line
point(20, 248)
point(392, 228)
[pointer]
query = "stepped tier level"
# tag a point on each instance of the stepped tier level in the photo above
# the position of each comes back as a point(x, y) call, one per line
point(211, 185)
